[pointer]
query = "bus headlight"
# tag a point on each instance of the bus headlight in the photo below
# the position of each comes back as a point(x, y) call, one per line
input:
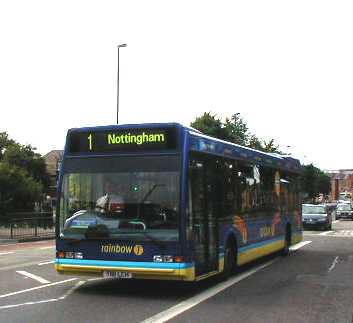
point(78, 255)
point(157, 258)
point(168, 258)
point(70, 255)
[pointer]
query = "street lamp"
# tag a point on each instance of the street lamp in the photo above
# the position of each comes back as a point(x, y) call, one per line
point(117, 101)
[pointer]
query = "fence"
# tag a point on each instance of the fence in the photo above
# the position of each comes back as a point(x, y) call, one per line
point(36, 226)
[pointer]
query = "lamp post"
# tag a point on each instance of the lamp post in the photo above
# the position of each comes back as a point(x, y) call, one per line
point(117, 97)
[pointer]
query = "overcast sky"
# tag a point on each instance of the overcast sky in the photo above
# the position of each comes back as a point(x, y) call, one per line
point(286, 66)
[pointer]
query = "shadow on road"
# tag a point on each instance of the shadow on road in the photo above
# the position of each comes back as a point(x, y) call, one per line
point(155, 289)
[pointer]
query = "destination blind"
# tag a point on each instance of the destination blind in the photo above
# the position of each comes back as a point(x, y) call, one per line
point(126, 140)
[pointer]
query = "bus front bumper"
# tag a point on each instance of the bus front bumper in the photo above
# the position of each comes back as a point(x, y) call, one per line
point(139, 270)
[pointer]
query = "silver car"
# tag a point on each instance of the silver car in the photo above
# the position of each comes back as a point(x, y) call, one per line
point(344, 211)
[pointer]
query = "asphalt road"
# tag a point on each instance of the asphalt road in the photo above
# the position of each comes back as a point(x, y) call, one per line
point(313, 284)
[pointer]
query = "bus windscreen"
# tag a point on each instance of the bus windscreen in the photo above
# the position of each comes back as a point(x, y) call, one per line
point(100, 202)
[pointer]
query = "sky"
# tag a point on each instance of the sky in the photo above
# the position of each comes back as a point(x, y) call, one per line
point(285, 66)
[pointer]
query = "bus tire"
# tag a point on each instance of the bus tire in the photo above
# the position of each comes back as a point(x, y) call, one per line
point(287, 242)
point(229, 261)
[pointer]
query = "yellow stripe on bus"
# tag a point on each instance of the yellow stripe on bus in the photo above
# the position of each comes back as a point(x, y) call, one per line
point(254, 253)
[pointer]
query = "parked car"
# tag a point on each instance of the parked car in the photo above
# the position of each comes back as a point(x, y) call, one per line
point(316, 216)
point(344, 211)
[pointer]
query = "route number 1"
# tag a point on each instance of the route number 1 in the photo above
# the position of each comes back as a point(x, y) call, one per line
point(90, 139)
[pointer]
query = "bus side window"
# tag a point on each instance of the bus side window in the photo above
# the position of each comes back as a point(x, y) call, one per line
point(247, 182)
point(285, 192)
point(268, 195)
point(290, 189)
point(231, 192)
point(197, 197)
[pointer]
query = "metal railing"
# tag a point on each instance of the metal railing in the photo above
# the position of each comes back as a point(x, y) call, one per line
point(29, 227)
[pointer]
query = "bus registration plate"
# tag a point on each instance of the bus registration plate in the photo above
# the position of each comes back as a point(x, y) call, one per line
point(117, 274)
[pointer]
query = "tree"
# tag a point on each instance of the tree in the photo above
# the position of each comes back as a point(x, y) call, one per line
point(210, 125)
point(23, 176)
point(271, 147)
point(314, 181)
point(18, 190)
point(234, 129)
point(237, 130)
point(323, 183)
point(25, 158)
point(4, 142)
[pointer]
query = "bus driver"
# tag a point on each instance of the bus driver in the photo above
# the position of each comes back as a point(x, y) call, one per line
point(110, 202)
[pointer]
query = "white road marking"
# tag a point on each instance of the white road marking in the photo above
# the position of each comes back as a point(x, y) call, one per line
point(333, 264)
point(335, 221)
point(197, 299)
point(44, 248)
point(17, 266)
point(312, 235)
point(299, 245)
point(28, 303)
point(35, 277)
point(38, 287)
point(337, 233)
point(193, 301)
point(346, 232)
point(333, 235)
point(71, 290)
point(46, 263)
point(95, 279)
point(325, 233)
point(6, 253)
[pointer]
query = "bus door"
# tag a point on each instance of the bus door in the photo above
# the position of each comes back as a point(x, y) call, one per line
point(203, 216)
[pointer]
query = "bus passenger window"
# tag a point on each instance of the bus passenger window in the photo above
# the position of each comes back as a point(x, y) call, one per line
point(247, 182)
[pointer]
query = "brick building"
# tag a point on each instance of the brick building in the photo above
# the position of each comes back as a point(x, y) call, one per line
point(52, 161)
point(341, 181)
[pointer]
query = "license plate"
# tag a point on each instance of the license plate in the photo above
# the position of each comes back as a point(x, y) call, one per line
point(117, 274)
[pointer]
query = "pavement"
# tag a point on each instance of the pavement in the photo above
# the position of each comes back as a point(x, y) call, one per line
point(28, 239)
point(6, 241)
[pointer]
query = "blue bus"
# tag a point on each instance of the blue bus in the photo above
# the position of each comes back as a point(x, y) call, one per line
point(164, 201)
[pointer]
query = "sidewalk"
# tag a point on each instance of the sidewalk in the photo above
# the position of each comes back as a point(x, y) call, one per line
point(29, 239)
point(8, 241)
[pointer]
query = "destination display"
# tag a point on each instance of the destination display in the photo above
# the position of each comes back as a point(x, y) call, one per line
point(126, 140)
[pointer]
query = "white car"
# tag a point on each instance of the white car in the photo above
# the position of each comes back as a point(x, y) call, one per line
point(344, 211)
